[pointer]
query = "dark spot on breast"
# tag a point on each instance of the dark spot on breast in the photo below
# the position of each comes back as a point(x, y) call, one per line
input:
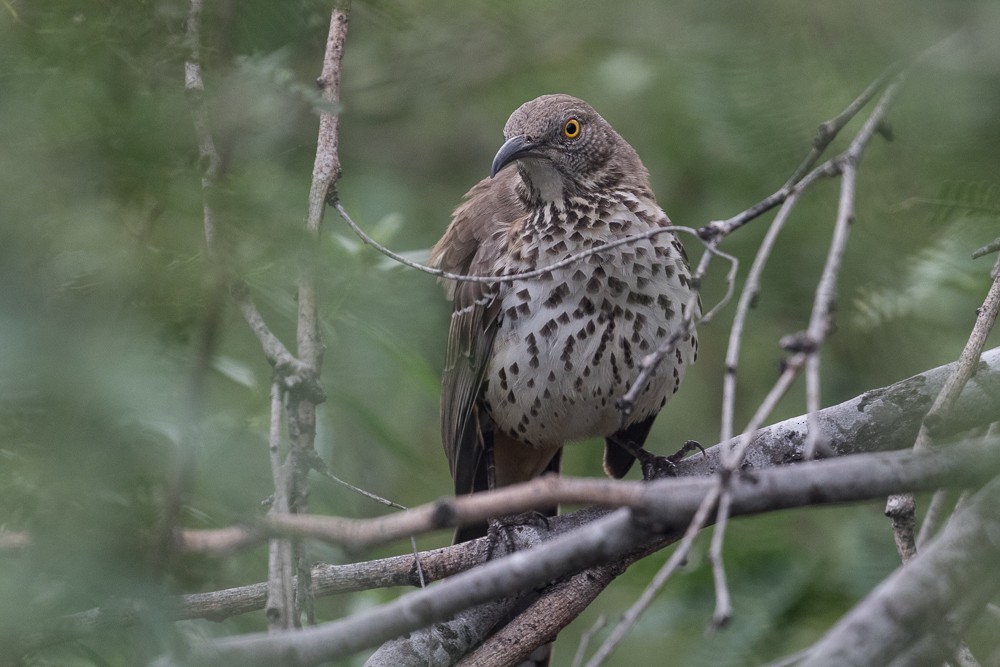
point(556, 296)
point(524, 294)
point(640, 298)
point(617, 286)
point(664, 302)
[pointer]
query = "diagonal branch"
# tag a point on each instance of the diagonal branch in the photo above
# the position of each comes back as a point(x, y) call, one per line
point(667, 506)
point(951, 580)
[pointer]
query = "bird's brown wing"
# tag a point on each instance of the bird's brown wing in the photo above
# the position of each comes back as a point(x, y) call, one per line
point(474, 244)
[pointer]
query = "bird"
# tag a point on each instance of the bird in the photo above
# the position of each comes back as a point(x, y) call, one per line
point(535, 363)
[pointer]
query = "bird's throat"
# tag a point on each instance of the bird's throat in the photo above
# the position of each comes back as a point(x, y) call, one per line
point(542, 179)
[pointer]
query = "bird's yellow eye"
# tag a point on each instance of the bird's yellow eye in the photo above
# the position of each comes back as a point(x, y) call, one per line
point(571, 128)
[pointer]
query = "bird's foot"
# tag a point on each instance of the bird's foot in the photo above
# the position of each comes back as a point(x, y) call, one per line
point(654, 467)
point(502, 529)
point(688, 447)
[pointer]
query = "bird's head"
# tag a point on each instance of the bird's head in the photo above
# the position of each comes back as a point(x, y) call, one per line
point(562, 147)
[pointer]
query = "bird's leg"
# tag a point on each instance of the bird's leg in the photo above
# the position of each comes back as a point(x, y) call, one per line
point(653, 465)
point(502, 527)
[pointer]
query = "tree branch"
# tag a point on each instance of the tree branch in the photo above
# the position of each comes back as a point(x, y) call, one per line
point(942, 588)
point(666, 506)
point(878, 420)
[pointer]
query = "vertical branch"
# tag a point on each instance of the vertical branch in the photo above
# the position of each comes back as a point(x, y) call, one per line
point(303, 397)
point(280, 605)
point(207, 334)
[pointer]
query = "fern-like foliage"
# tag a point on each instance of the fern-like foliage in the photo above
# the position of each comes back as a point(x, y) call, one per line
point(964, 200)
point(929, 284)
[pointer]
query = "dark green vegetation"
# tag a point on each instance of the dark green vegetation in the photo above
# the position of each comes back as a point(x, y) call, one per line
point(105, 292)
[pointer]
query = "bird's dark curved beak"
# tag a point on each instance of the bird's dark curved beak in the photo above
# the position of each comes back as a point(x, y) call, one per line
point(513, 149)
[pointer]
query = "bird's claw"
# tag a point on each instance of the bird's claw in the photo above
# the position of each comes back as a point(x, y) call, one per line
point(654, 466)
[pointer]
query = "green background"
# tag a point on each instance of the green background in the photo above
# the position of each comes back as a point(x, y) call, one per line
point(104, 282)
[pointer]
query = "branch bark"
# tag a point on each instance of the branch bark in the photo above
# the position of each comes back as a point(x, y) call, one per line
point(302, 399)
point(938, 592)
point(667, 506)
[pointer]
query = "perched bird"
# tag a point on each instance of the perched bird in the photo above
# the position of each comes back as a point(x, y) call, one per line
point(535, 363)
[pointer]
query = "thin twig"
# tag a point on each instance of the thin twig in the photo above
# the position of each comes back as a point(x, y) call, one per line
point(194, 87)
point(990, 247)
point(968, 361)
point(206, 339)
point(723, 605)
point(581, 649)
point(367, 494)
point(747, 300)
point(388, 503)
point(274, 350)
point(677, 558)
point(821, 320)
point(527, 275)
point(825, 134)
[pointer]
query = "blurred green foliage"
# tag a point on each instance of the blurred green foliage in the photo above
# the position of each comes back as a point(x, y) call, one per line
point(106, 289)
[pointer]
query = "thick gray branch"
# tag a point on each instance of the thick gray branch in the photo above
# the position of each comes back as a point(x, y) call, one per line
point(671, 503)
point(943, 588)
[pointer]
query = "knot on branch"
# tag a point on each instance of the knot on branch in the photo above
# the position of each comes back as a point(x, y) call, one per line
point(825, 134)
point(299, 380)
point(712, 230)
point(799, 342)
point(443, 514)
point(332, 196)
